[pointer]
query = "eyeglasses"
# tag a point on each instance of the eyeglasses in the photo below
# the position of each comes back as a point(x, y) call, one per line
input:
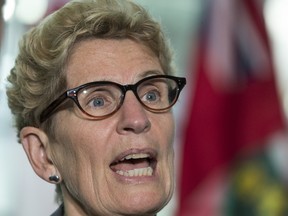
point(101, 99)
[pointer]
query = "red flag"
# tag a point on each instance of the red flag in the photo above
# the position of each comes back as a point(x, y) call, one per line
point(235, 103)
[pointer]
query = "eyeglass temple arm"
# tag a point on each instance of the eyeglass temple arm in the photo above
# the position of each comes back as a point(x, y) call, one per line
point(52, 107)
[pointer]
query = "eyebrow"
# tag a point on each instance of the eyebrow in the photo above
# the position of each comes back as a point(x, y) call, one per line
point(150, 73)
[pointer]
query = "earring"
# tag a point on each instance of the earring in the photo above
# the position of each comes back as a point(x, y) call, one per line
point(54, 178)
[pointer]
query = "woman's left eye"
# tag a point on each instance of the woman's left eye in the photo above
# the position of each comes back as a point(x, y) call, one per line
point(98, 102)
point(151, 96)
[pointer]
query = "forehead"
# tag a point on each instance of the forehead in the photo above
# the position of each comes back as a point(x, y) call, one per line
point(122, 61)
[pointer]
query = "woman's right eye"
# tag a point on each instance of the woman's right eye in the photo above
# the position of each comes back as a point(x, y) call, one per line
point(99, 101)
point(98, 98)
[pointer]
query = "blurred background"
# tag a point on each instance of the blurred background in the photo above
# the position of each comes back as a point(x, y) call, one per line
point(231, 143)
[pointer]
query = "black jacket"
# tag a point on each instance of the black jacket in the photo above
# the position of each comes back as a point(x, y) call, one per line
point(59, 211)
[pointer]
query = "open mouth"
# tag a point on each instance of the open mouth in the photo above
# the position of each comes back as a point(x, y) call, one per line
point(134, 165)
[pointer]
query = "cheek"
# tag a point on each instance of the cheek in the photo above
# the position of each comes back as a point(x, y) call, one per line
point(165, 127)
point(79, 151)
point(163, 130)
point(69, 149)
point(65, 158)
point(74, 158)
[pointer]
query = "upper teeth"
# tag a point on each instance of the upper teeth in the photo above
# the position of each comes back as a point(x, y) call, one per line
point(135, 156)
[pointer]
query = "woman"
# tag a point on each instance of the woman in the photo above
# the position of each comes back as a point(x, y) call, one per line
point(92, 91)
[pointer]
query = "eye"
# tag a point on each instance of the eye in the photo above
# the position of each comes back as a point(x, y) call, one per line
point(97, 98)
point(97, 102)
point(151, 96)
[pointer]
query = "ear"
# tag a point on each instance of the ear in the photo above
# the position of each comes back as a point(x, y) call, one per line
point(36, 145)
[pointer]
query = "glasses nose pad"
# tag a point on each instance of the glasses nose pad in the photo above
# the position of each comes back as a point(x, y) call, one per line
point(132, 88)
point(133, 117)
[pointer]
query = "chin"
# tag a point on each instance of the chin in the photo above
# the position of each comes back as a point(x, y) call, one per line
point(143, 209)
point(146, 204)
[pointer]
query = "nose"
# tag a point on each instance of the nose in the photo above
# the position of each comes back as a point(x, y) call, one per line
point(133, 116)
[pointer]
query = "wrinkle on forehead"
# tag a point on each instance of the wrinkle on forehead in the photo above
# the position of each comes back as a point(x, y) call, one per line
point(123, 61)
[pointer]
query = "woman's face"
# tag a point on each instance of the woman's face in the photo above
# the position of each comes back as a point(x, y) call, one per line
point(94, 156)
